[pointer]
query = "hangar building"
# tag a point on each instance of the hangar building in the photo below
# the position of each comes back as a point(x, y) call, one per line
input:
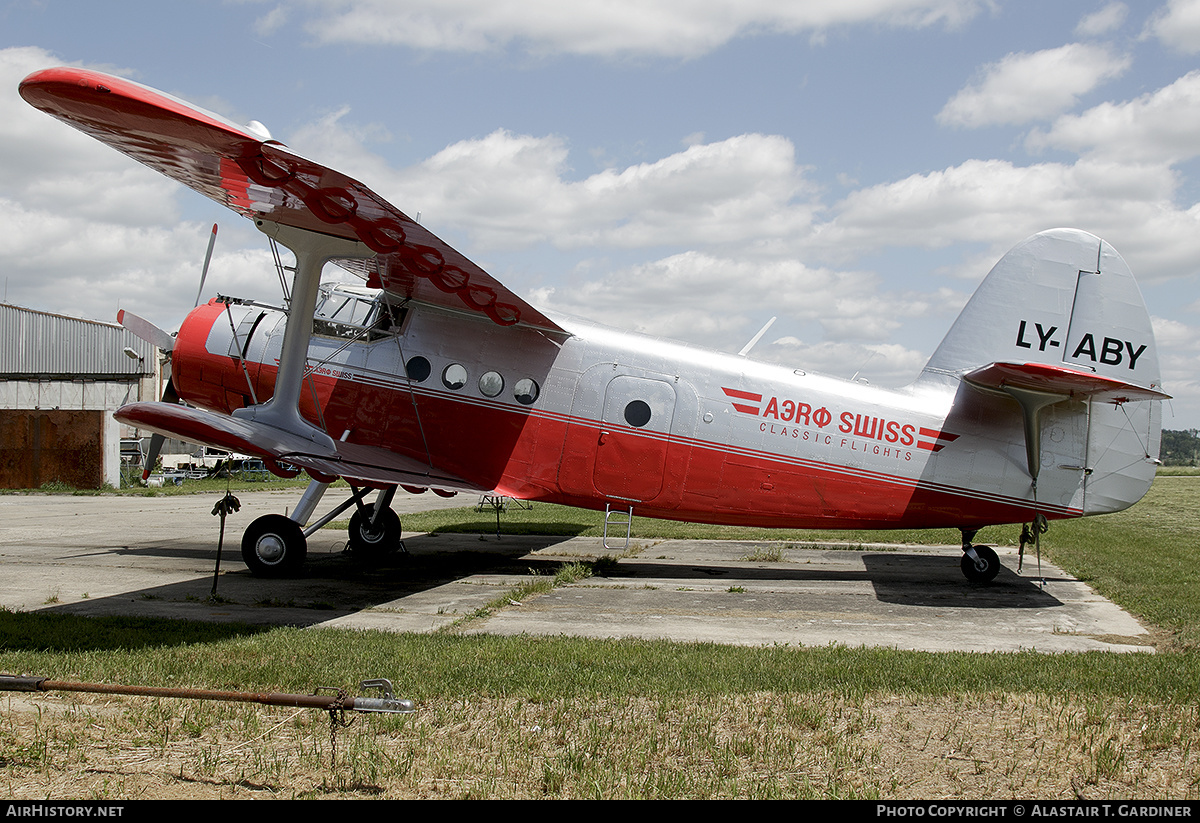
point(61, 378)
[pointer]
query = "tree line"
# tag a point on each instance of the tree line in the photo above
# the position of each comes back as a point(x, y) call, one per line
point(1180, 448)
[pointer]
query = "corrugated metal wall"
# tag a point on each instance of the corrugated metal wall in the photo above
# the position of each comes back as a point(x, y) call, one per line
point(39, 344)
point(60, 380)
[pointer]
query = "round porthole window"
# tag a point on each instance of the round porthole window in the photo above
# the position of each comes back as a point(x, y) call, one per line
point(454, 377)
point(637, 413)
point(418, 369)
point(491, 384)
point(526, 391)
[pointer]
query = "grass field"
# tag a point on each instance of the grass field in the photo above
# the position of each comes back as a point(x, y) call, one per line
point(563, 717)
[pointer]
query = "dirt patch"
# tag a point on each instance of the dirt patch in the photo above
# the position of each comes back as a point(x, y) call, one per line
point(765, 745)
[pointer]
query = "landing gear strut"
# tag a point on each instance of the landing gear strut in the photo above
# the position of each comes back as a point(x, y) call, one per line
point(979, 563)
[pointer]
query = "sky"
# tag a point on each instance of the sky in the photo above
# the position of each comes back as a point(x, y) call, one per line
point(684, 168)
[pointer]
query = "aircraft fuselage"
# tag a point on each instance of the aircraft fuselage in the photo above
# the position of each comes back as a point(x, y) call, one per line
point(605, 417)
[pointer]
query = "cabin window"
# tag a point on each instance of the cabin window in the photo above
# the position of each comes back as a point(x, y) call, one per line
point(491, 384)
point(526, 391)
point(355, 313)
point(418, 369)
point(454, 377)
point(637, 413)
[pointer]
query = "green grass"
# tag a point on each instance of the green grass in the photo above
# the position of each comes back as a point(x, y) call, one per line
point(1147, 558)
point(433, 667)
point(571, 717)
point(205, 485)
point(1178, 471)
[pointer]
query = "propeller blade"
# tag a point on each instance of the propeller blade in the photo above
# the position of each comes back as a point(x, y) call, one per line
point(144, 329)
point(157, 440)
point(156, 444)
point(212, 241)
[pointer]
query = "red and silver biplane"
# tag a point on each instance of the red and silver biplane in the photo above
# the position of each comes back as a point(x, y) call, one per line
point(1041, 402)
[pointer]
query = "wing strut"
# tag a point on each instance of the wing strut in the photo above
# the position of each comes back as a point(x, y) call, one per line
point(312, 252)
point(1032, 403)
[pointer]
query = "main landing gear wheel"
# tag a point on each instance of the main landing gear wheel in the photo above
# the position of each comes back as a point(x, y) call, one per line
point(984, 567)
point(373, 542)
point(274, 546)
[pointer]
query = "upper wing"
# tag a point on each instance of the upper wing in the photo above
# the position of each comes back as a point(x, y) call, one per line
point(262, 179)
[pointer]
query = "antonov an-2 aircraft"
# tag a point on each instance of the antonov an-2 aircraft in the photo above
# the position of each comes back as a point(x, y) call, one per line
point(1041, 403)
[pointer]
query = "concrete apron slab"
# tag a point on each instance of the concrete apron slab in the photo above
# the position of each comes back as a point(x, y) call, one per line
point(907, 598)
point(155, 557)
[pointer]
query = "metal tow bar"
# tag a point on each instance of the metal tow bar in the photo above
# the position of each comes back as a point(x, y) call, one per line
point(331, 703)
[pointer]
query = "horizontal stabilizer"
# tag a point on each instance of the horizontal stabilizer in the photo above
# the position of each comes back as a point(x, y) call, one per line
point(356, 462)
point(1042, 377)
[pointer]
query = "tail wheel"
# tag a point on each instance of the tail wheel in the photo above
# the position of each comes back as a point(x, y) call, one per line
point(369, 541)
point(985, 568)
point(274, 546)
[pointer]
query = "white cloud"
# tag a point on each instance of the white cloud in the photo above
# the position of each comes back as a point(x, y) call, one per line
point(881, 364)
point(1159, 127)
point(996, 202)
point(717, 300)
point(43, 158)
point(1106, 20)
point(672, 28)
point(271, 22)
point(1177, 25)
point(91, 268)
point(1025, 87)
point(708, 240)
point(509, 191)
point(737, 190)
point(1178, 352)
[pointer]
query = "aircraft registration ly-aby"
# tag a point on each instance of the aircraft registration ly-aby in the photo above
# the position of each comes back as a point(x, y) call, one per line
point(1041, 403)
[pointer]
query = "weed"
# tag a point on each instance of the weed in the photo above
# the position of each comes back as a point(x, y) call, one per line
point(767, 554)
point(56, 487)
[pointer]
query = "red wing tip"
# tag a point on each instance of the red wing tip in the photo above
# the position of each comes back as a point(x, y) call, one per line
point(65, 76)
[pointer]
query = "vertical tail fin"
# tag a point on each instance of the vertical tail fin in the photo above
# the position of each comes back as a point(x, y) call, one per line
point(1059, 326)
point(1061, 298)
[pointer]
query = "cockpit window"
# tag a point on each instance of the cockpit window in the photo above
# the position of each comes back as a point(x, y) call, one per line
point(350, 312)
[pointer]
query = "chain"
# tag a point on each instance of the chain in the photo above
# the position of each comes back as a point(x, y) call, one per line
point(337, 719)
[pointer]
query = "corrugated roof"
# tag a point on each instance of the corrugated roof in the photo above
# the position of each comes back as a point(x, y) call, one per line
point(39, 344)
